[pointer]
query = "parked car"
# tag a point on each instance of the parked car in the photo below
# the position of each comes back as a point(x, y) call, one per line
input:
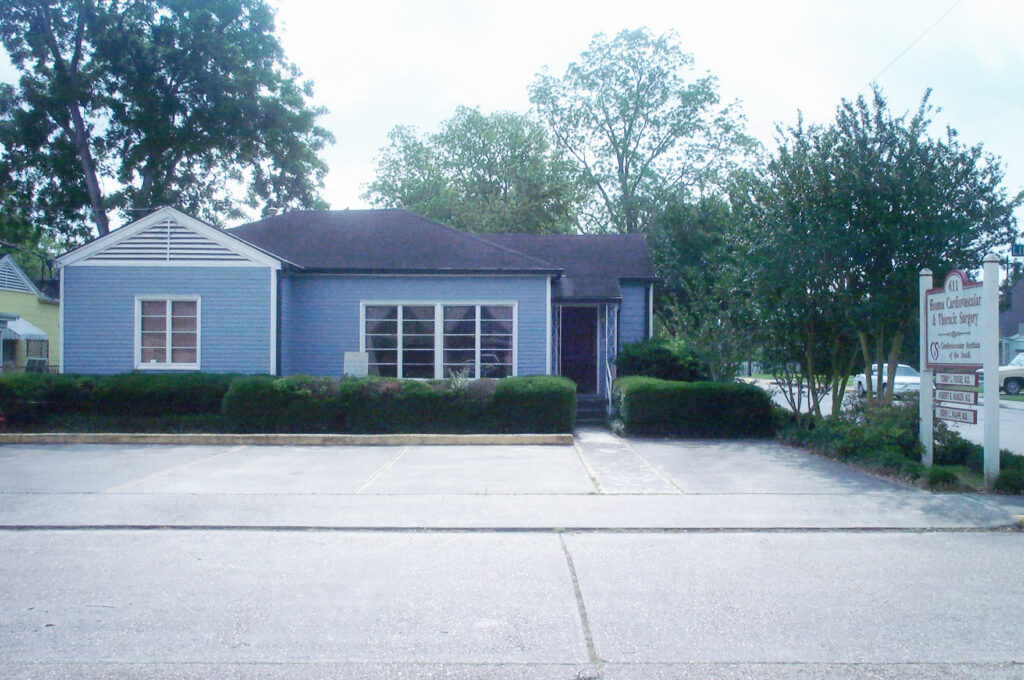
point(907, 379)
point(1011, 376)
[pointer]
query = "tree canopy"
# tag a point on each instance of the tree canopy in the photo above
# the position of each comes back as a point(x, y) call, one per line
point(846, 215)
point(479, 172)
point(131, 105)
point(642, 128)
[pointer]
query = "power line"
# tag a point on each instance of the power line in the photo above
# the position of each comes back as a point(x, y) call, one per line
point(916, 40)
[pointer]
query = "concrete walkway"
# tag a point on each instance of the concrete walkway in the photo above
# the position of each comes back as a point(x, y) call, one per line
point(599, 482)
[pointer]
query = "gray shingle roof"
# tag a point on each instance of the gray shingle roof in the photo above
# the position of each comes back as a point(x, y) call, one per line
point(381, 241)
point(391, 241)
point(593, 265)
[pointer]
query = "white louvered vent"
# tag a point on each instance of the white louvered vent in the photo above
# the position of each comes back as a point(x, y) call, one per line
point(10, 279)
point(168, 242)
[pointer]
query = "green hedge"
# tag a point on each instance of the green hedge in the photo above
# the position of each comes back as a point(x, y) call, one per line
point(539, 404)
point(698, 409)
point(26, 397)
point(658, 359)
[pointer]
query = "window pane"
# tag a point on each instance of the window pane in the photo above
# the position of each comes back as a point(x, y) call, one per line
point(418, 312)
point(154, 339)
point(418, 357)
point(179, 323)
point(489, 312)
point(381, 342)
point(154, 308)
point(414, 326)
point(460, 342)
point(382, 357)
point(496, 370)
point(495, 357)
point(179, 340)
point(495, 342)
point(496, 327)
point(417, 371)
point(418, 342)
point(153, 355)
point(459, 312)
point(388, 327)
point(379, 312)
point(461, 356)
point(183, 308)
point(154, 323)
point(183, 356)
point(383, 371)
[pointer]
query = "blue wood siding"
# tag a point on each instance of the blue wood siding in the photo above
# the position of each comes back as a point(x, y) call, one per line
point(633, 313)
point(99, 315)
point(320, 313)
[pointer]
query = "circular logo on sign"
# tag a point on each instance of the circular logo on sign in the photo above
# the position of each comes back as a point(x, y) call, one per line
point(933, 351)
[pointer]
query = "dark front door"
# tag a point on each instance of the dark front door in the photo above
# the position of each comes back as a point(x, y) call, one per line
point(578, 348)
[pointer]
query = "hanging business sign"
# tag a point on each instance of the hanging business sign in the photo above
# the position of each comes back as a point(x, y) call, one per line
point(953, 327)
point(969, 398)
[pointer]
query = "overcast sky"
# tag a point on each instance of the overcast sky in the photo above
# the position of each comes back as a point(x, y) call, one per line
point(411, 62)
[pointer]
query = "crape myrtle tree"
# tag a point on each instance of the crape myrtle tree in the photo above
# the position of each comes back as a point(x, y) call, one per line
point(125, 105)
point(641, 127)
point(844, 217)
point(703, 294)
point(480, 172)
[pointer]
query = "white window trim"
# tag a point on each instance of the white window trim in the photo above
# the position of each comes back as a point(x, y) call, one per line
point(168, 366)
point(439, 326)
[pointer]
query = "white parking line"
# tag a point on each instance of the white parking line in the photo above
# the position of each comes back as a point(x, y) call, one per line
point(119, 487)
point(381, 470)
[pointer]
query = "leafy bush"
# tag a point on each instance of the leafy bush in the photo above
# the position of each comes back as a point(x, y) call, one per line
point(24, 397)
point(1010, 481)
point(698, 409)
point(541, 404)
point(939, 477)
point(878, 437)
point(155, 394)
point(658, 359)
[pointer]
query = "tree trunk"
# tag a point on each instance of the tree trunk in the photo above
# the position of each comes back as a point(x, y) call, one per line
point(80, 138)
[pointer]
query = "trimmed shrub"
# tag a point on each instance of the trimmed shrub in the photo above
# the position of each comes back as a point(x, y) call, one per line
point(658, 359)
point(699, 409)
point(535, 404)
point(25, 397)
point(156, 394)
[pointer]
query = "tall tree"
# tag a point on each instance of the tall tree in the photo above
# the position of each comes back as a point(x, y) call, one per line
point(862, 205)
point(640, 126)
point(131, 104)
point(484, 173)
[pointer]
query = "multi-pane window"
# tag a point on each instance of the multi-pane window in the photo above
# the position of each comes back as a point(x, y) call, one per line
point(439, 340)
point(168, 333)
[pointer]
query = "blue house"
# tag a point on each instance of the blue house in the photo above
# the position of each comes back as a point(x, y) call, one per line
point(381, 292)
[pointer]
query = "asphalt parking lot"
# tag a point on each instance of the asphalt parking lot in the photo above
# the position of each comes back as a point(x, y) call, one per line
point(609, 558)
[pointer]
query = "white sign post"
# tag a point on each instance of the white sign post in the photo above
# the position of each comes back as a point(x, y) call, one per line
point(959, 335)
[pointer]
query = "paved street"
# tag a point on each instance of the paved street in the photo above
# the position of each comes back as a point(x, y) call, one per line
point(608, 559)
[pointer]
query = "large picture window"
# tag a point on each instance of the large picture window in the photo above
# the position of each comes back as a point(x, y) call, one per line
point(439, 340)
point(167, 335)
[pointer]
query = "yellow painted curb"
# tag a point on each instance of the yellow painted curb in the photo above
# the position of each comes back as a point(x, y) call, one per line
point(283, 439)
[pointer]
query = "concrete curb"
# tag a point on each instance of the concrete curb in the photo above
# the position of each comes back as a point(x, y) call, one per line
point(285, 439)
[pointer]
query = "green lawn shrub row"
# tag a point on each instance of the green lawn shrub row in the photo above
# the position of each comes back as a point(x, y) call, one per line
point(208, 402)
point(650, 406)
point(659, 359)
point(26, 397)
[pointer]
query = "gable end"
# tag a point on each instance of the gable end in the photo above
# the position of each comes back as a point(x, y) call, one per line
point(167, 241)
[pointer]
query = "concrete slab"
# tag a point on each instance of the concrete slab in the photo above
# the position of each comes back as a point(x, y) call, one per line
point(273, 470)
point(286, 597)
point(485, 470)
point(91, 468)
point(806, 598)
point(752, 467)
point(616, 467)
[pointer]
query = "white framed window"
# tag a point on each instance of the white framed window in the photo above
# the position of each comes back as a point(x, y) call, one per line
point(167, 332)
point(436, 340)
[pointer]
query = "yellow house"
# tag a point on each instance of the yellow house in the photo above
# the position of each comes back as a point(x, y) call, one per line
point(29, 322)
